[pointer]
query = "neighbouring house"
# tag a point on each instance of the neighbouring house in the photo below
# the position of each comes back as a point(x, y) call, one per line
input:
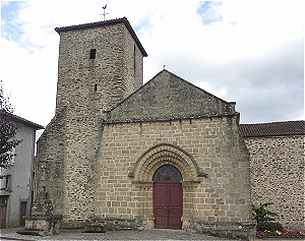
point(16, 181)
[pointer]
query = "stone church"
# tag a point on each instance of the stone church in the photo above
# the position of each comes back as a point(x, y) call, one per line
point(165, 154)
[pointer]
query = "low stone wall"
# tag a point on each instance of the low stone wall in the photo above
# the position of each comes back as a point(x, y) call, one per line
point(43, 224)
point(116, 224)
point(244, 231)
point(109, 223)
point(36, 224)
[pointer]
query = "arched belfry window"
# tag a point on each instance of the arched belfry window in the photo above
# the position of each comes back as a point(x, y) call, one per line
point(92, 53)
point(167, 173)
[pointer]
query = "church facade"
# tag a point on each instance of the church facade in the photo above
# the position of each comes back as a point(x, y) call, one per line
point(166, 154)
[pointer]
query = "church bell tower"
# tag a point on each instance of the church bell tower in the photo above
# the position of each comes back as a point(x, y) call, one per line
point(99, 65)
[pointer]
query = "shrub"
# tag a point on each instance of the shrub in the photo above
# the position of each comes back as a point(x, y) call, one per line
point(266, 219)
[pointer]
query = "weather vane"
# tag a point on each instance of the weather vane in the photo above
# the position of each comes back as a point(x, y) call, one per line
point(104, 13)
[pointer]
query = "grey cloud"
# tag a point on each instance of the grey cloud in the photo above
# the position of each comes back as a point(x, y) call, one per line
point(266, 88)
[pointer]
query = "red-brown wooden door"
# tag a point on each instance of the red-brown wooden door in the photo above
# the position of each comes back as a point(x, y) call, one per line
point(3, 208)
point(168, 202)
point(22, 213)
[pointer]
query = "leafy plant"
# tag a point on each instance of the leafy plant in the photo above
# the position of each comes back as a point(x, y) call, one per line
point(265, 218)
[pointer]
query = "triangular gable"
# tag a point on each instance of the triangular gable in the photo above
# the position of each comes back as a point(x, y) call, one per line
point(168, 96)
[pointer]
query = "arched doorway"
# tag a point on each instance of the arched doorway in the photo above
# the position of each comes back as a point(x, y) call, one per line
point(167, 197)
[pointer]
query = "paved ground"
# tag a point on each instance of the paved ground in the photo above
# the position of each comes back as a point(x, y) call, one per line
point(10, 234)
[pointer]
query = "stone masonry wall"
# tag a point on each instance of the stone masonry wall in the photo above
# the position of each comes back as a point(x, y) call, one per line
point(48, 166)
point(111, 71)
point(168, 96)
point(214, 143)
point(277, 176)
point(133, 61)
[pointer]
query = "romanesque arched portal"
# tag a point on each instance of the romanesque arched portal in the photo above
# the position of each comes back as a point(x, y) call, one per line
point(167, 197)
point(162, 170)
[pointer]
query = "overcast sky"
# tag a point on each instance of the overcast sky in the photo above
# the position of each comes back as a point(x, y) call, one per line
point(251, 52)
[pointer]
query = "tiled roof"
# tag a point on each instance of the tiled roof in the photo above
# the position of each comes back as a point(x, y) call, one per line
point(102, 24)
point(273, 129)
point(19, 119)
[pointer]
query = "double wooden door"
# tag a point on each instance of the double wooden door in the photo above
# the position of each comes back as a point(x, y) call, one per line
point(167, 202)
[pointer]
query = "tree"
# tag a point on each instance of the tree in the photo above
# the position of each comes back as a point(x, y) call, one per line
point(7, 130)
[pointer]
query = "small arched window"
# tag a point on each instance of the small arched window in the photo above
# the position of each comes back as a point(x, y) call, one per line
point(167, 173)
point(92, 53)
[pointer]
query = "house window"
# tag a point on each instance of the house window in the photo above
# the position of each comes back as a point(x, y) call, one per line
point(5, 182)
point(2, 183)
point(92, 53)
point(12, 161)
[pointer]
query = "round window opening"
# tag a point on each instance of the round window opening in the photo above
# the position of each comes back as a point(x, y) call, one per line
point(167, 173)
